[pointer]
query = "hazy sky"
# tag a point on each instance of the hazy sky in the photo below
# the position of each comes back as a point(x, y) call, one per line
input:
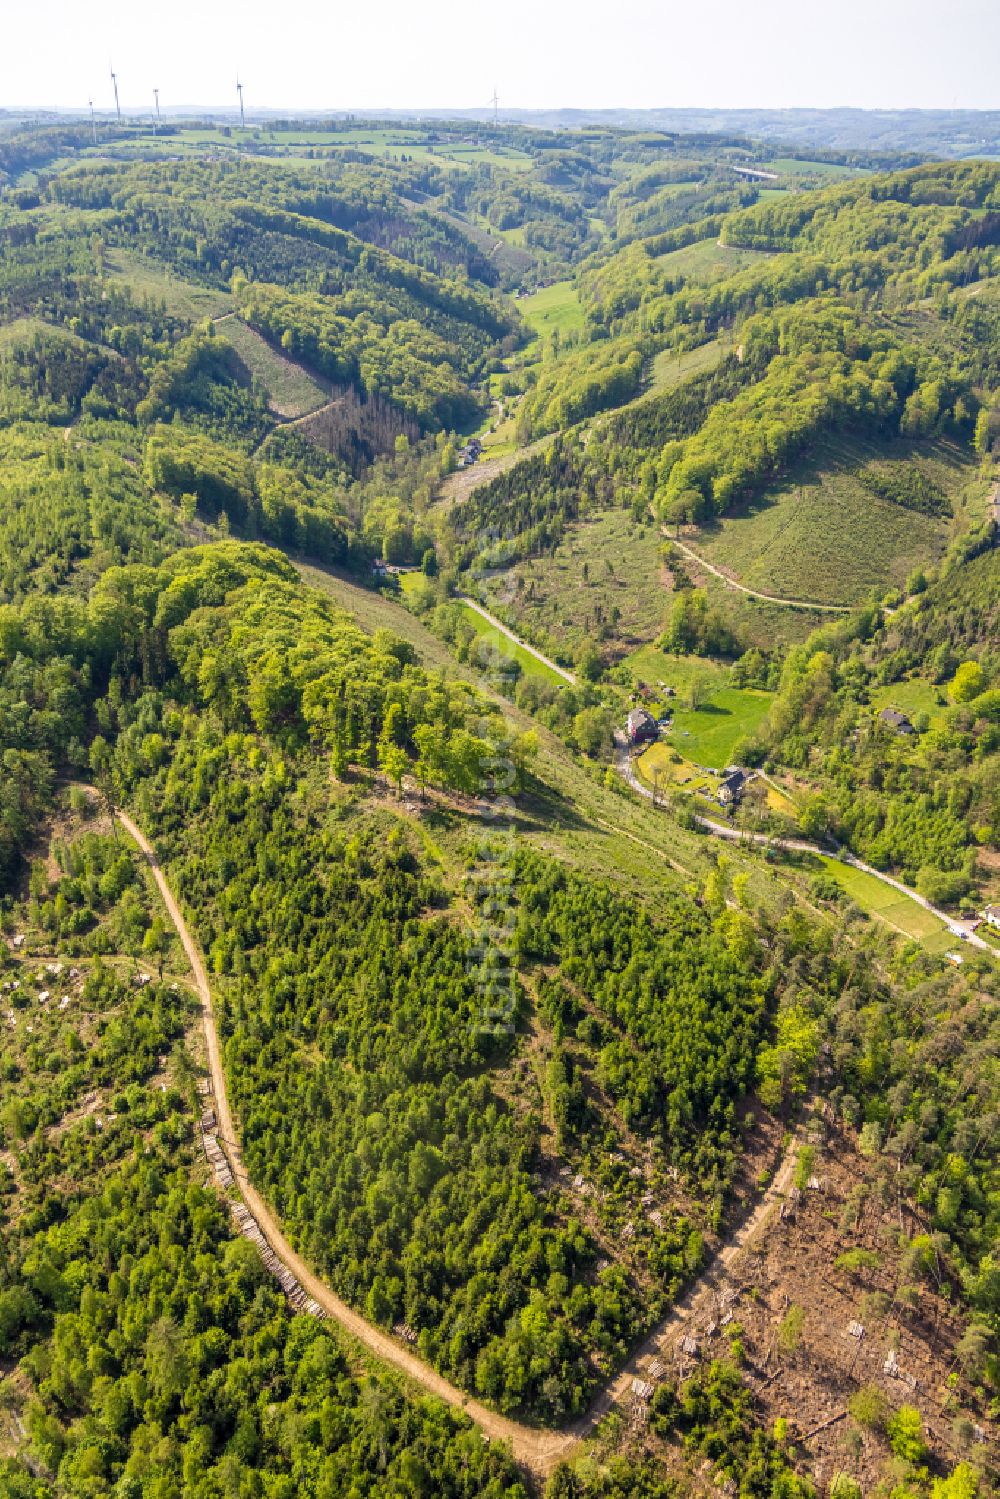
point(450, 53)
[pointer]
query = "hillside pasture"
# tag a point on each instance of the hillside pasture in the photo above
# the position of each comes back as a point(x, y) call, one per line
point(878, 899)
point(651, 665)
point(530, 665)
point(822, 536)
point(555, 308)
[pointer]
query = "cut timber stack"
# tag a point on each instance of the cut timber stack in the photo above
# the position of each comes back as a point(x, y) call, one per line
point(217, 1159)
point(248, 1225)
point(250, 1229)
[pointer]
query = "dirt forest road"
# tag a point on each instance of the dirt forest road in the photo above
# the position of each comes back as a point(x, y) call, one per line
point(536, 1449)
point(767, 598)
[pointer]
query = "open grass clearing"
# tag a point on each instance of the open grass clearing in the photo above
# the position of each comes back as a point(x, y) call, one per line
point(709, 735)
point(413, 584)
point(291, 390)
point(876, 898)
point(779, 800)
point(555, 308)
point(529, 664)
point(706, 261)
point(821, 535)
point(670, 368)
point(660, 766)
point(662, 668)
point(145, 278)
point(914, 696)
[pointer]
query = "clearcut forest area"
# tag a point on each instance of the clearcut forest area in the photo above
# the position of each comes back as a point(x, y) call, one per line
point(445, 1059)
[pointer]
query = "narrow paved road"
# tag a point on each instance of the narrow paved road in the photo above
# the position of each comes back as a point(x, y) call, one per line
point(498, 624)
point(767, 598)
point(961, 929)
point(537, 1449)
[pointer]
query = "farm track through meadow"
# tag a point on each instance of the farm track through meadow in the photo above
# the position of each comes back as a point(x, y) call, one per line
point(536, 1448)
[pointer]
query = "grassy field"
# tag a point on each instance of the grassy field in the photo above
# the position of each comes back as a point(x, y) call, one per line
point(707, 261)
point(651, 665)
point(555, 307)
point(879, 899)
point(915, 695)
point(515, 236)
point(291, 390)
point(780, 801)
point(322, 143)
point(414, 584)
point(669, 368)
point(709, 735)
point(147, 279)
point(603, 564)
point(412, 150)
point(661, 766)
point(823, 536)
point(474, 156)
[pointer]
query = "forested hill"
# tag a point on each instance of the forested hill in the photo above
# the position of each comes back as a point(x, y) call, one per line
point(559, 975)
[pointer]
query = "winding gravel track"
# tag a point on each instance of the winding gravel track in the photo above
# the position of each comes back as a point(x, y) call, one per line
point(537, 1449)
point(767, 598)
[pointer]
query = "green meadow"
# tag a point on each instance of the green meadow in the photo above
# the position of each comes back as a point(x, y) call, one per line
point(555, 308)
point(709, 735)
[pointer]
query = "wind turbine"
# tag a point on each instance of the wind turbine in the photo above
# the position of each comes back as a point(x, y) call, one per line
point(93, 122)
point(156, 96)
point(239, 90)
point(114, 80)
point(496, 105)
